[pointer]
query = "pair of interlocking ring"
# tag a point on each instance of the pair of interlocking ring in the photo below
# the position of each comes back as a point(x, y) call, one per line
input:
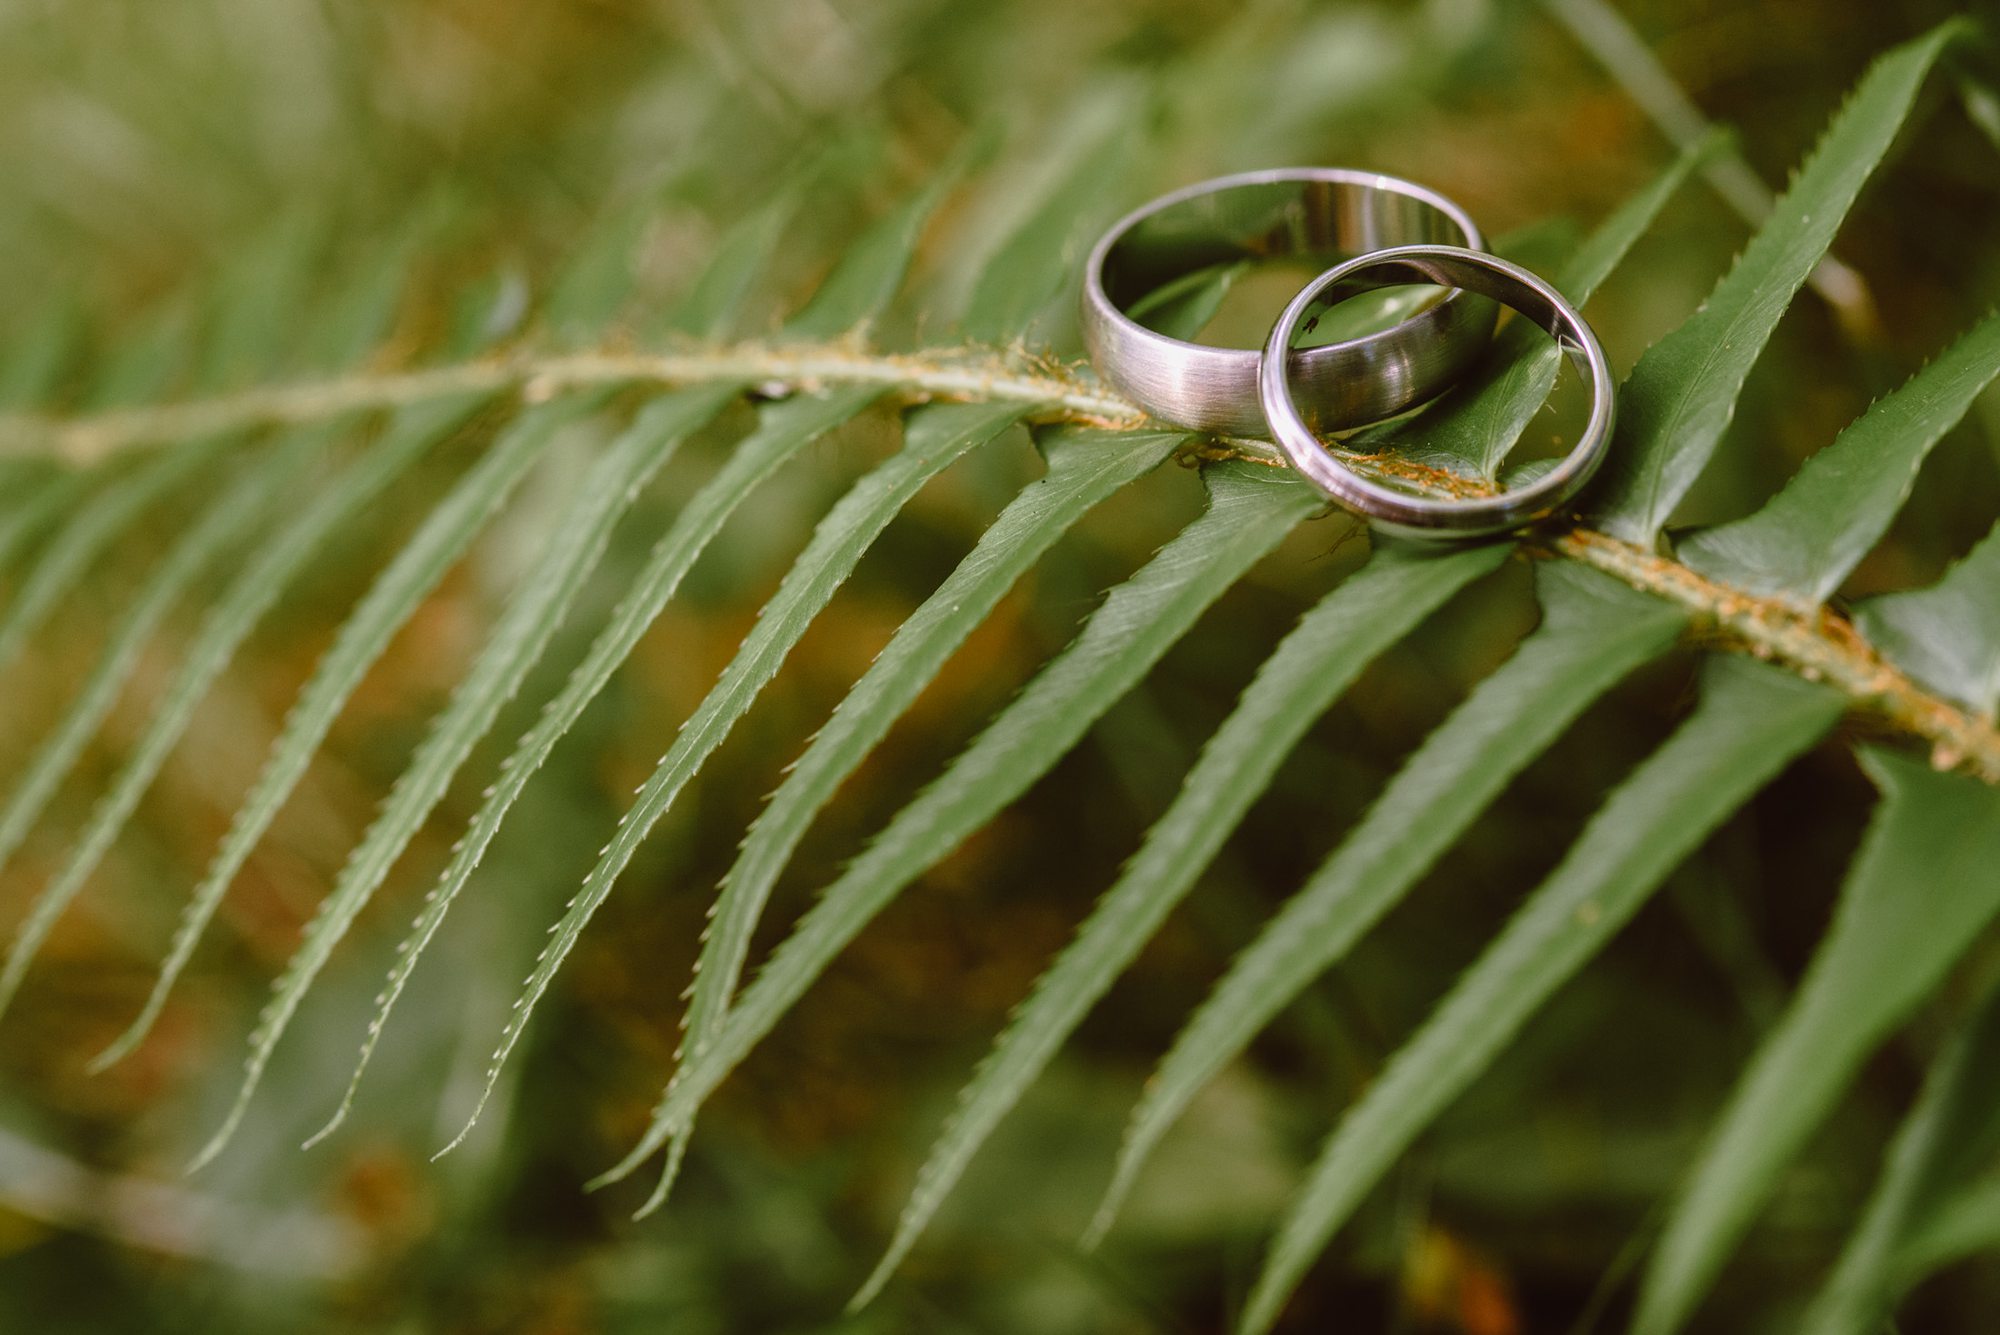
point(1397, 234)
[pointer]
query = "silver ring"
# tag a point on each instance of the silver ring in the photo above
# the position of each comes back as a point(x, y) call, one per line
point(1313, 211)
point(1423, 516)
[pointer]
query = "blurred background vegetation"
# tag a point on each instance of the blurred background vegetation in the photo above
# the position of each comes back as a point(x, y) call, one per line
point(150, 150)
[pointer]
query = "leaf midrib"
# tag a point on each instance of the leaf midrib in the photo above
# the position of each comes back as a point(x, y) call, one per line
point(1822, 646)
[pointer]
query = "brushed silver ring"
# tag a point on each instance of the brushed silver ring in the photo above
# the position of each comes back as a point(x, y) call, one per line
point(1324, 212)
point(1423, 516)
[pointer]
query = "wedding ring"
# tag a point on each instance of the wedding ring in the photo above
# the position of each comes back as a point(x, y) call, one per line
point(1321, 212)
point(1422, 516)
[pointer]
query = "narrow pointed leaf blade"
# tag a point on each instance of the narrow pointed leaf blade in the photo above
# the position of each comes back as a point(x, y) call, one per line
point(1750, 721)
point(1948, 635)
point(92, 527)
point(936, 439)
point(1920, 889)
point(1085, 468)
point(30, 514)
point(360, 314)
point(783, 430)
point(1965, 1223)
point(264, 577)
point(240, 505)
point(596, 279)
point(1807, 538)
point(389, 602)
point(1363, 616)
point(1945, 1138)
point(870, 272)
point(250, 325)
point(572, 550)
point(713, 307)
point(1250, 511)
point(1679, 399)
point(1475, 423)
point(1595, 631)
point(1030, 269)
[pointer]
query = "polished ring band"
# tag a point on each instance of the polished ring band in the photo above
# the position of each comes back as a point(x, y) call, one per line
point(1422, 516)
point(1316, 212)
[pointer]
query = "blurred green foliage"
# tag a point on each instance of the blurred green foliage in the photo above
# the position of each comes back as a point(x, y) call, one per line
point(202, 146)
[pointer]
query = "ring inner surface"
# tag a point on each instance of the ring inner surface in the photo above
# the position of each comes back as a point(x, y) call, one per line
point(1321, 221)
point(1417, 272)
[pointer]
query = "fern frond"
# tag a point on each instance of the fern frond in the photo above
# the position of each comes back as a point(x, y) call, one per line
point(1750, 722)
point(95, 524)
point(389, 602)
point(1949, 1132)
point(1678, 400)
point(1084, 468)
point(244, 503)
point(1364, 615)
point(784, 430)
point(572, 551)
point(937, 438)
point(1834, 510)
point(1250, 510)
point(265, 576)
point(1595, 631)
point(1936, 836)
point(223, 396)
point(1948, 635)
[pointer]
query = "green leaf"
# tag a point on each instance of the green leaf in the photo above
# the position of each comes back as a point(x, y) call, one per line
point(264, 577)
point(1085, 467)
point(712, 307)
point(1040, 258)
point(1594, 632)
point(361, 313)
point(236, 509)
point(1182, 308)
point(783, 430)
point(1919, 891)
point(143, 364)
point(1678, 400)
point(1942, 1141)
point(485, 312)
point(870, 272)
point(1605, 248)
point(92, 527)
point(1807, 538)
point(573, 548)
point(1475, 423)
point(1966, 1223)
point(389, 602)
point(1948, 635)
point(1364, 615)
point(253, 307)
point(936, 438)
point(46, 498)
point(596, 278)
point(33, 365)
point(1751, 720)
point(1250, 510)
